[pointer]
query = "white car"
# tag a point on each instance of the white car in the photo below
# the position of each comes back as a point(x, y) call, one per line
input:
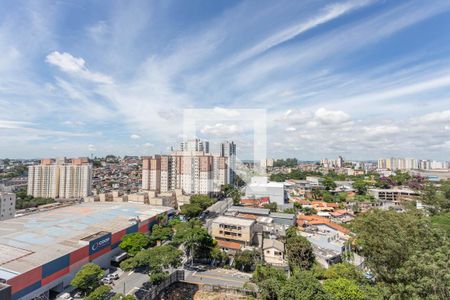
point(106, 280)
point(113, 276)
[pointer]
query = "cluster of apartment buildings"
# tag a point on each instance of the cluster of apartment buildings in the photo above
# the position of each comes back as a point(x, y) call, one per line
point(60, 178)
point(403, 164)
point(192, 168)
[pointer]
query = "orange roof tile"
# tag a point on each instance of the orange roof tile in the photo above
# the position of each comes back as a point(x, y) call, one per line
point(229, 245)
point(247, 216)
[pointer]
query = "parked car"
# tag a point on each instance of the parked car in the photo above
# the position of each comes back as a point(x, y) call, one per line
point(113, 276)
point(106, 280)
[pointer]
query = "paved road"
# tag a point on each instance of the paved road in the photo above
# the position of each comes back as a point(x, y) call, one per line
point(221, 277)
point(129, 281)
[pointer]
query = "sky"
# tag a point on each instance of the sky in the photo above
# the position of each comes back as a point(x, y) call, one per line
point(359, 78)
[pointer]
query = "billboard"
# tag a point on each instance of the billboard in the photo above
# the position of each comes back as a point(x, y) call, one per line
point(100, 243)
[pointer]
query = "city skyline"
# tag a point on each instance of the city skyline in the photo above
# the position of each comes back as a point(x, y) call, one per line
point(363, 79)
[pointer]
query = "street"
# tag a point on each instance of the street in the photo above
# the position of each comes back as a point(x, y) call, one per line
point(129, 281)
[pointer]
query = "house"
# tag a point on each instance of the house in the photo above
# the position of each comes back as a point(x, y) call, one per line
point(283, 219)
point(273, 252)
point(324, 206)
point(321, 224)
point(342, 216)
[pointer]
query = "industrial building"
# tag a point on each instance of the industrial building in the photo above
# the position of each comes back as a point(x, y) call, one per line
point(40, 253)
point(260, 186)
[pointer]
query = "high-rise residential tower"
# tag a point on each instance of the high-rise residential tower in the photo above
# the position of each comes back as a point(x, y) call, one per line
point(228, 149)
point(60, 178)
point(192, 169)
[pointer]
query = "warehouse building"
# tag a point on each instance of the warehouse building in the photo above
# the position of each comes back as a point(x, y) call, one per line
point(41, 253)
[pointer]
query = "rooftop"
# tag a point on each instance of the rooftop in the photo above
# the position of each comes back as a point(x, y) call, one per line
point(250, 210)
point(35, 239)
point(233, 221)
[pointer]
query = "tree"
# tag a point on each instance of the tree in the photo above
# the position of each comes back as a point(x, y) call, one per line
point(426, 275)
point(387, 239)
point(269, 281)
point(156, 258)
point(158, 276)
point(160, 233)
point(202, 201)
point(329, 183)
point(272, 206)
point(134, 242)
point(88, 278)
point(99, 293)
point(245, 260)
point(121, 296)
point(291, 231)
point(360, 186)
point(303, 285)
point(191, 210)
point(299, 253)
point(343, 289)
point(344, 270)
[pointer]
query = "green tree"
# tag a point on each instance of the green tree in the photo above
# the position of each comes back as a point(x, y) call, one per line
point(99, 293)
point(272, 206)
point(156, 258)
point(202, 200)
point(269, 281)
point(343, 289)
point(134, 242)
point(157, 277)
point(344, 270)
point(160, 233)
point(121, 296)
point(299, 253)
point(303, 285)
point(191, 210)
point(291, 231)
point(245, 260)
point(329, 183)
point(425, 275)
point(360, 186)
point(88, 278)
point(405, 253)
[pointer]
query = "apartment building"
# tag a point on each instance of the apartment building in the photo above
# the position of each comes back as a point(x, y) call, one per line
point(233, 233)
point(7, 206)
point(192, 169)
point(60, 178)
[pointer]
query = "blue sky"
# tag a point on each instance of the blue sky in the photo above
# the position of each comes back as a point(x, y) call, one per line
point(359, 78)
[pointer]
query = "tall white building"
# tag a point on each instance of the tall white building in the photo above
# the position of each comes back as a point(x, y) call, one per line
point(7, 206)
point(60, 179)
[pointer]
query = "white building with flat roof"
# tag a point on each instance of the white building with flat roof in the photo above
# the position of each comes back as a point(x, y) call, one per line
point(260, 186)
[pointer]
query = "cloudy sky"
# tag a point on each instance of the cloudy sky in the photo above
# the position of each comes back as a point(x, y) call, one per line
point(358, 78)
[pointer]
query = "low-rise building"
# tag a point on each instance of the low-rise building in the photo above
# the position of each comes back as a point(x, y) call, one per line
point(233, 233)
point(273, 252)
point(395, 194)
point(260, 187)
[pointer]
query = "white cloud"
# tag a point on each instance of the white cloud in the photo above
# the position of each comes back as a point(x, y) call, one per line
point(226, 112)
point(68, 63)
point(331, 117)
point(296, 116)
point(135, 136)
point(91, 147)
point(290, 129)
point(381, 130)
point(221, 129)
point(148, 145)
point(5, 124)
point(436, 117)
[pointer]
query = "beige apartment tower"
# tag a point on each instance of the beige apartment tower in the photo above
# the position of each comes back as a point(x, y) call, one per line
point(60, 178)
point(193, 171)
